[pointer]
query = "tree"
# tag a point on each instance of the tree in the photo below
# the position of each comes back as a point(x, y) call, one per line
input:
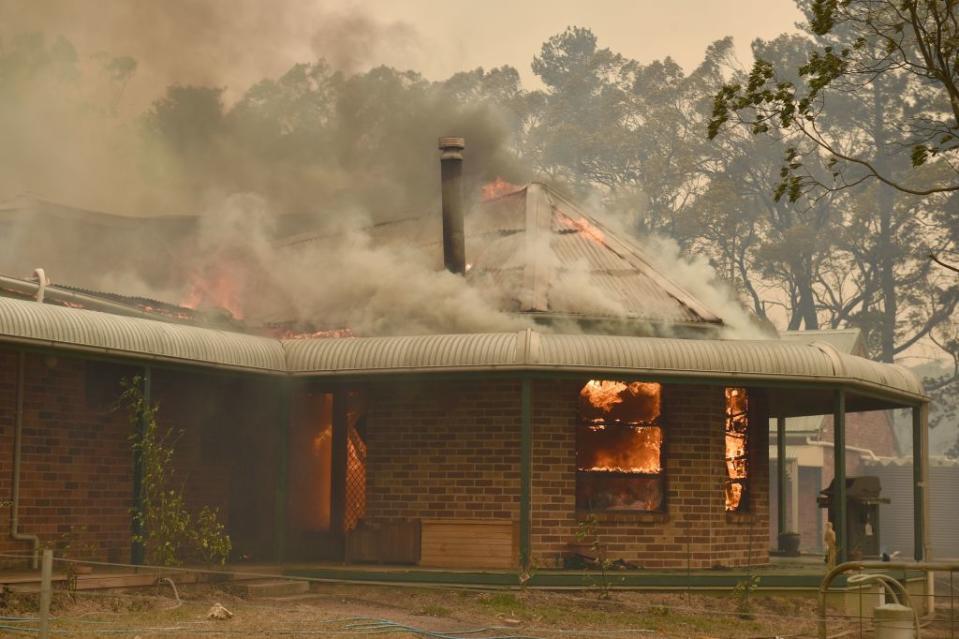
point(913, 44)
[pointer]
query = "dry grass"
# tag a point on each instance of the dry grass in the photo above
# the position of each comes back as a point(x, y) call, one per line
point(336, 610)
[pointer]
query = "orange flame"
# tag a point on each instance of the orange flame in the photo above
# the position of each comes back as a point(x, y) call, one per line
point(215, 287)
point(737, 432)
point(498, 188)
point(584, 227)
point(620, 433)
point(639, 400)
point(623, 450)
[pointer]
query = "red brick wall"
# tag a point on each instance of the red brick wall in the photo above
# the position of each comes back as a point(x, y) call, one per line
point(77, 461)
point(451, 450)
point(695, 526)
point(443, 450)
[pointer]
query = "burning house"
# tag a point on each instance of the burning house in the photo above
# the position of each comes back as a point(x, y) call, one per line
point(474, 450)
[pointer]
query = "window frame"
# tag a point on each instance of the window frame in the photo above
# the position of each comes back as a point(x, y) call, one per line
point(660, 477)
point(745, 500)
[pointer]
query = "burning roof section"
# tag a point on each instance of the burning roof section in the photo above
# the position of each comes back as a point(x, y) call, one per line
point(556, 260)
point(547, 258)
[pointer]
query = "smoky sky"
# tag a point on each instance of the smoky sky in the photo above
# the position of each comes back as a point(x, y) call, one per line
point(232, 44)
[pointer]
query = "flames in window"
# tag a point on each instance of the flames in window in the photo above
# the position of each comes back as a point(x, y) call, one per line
point(355, 461)
point(737, 447)
point(619, 446)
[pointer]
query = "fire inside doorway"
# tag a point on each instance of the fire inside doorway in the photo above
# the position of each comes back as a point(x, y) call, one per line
point(318, 519)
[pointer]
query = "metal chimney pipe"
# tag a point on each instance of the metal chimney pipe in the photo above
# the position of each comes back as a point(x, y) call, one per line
point(451, 172)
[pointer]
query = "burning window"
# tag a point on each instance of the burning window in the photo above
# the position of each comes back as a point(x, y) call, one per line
point(737, 449)
point(619, 447)
point(355, 461)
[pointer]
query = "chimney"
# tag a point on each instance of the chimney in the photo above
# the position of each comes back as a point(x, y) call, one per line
point(451, 171)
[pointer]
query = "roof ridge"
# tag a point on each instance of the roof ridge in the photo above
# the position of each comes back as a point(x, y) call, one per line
point(636, 252)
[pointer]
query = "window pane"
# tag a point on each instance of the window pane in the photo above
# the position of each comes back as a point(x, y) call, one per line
point(737, 448)
point(619, 447)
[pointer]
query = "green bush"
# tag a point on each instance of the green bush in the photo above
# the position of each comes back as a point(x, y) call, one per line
point(168, 532)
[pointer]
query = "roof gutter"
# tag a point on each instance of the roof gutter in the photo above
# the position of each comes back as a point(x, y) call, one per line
point(45, 293)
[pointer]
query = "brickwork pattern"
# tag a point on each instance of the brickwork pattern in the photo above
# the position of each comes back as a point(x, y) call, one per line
point(695, 529)
point(77, 463)
point(76, 474)
point(445, 450)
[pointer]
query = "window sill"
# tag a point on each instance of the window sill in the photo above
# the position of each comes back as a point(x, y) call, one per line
point(734, 517)
point(622, 516)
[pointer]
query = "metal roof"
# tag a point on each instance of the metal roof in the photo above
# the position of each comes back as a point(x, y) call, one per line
point(28, 322)
point(845, 340)
point(549, 239)
point(756, 362)
point(550, 258)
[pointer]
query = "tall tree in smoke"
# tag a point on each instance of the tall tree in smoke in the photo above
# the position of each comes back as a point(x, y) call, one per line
point(863, 44)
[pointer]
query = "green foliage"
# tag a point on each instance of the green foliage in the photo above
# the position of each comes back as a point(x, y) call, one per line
point(169, 533)
point(587, 530)
point(741, 593)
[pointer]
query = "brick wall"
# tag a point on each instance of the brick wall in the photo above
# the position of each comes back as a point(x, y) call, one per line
point(77, 462)
point(695, 526)
point(443, 450)
point(451, 450)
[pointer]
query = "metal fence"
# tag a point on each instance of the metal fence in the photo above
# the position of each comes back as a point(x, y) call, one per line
point(934, 603)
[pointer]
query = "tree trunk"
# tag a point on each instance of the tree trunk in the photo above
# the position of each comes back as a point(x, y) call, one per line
point(887, 263)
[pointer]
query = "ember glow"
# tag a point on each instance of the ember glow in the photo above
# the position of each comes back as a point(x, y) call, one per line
point(633, 403)
point(737, 440)
point(215, 287)
point(619, 446)
point(498, 188)
point(330, 334)
point(582, 226)
point(625, 449)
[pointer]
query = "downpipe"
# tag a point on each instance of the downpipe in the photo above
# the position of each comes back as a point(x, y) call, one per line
point(15, 533)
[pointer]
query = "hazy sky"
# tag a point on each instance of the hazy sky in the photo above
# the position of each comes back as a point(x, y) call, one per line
point(232, 43)
point(455, 35)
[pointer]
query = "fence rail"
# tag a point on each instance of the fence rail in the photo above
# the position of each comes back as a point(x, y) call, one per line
point(938, 576)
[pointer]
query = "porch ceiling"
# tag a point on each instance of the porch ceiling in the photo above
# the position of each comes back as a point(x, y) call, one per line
point(801, 377)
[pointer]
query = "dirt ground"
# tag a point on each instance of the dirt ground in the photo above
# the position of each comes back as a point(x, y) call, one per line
point(330, 610)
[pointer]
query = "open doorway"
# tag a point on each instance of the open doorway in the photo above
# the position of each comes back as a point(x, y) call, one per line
point(327, 472)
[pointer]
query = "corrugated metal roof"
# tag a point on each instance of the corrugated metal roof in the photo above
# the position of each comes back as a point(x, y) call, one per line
point(550, 238)
point(845, 340)
point(754, 361)
point(547, 238)
point(71, 328)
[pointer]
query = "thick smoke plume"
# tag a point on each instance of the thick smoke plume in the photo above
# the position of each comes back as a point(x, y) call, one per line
point(146, 108)
point(341, 280)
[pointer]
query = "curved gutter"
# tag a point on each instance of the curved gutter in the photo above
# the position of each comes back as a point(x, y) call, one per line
point(15, 533)
point(528, 352)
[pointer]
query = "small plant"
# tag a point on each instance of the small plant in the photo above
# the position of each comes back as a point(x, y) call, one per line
point(168, 532)
point(741, 592)
point(586, 531)
point(72, 545)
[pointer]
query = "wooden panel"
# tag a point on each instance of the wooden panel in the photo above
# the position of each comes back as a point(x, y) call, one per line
point(468, 543)
point(391, 543)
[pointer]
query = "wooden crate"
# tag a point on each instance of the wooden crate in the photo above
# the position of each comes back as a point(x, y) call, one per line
point(469, 543)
